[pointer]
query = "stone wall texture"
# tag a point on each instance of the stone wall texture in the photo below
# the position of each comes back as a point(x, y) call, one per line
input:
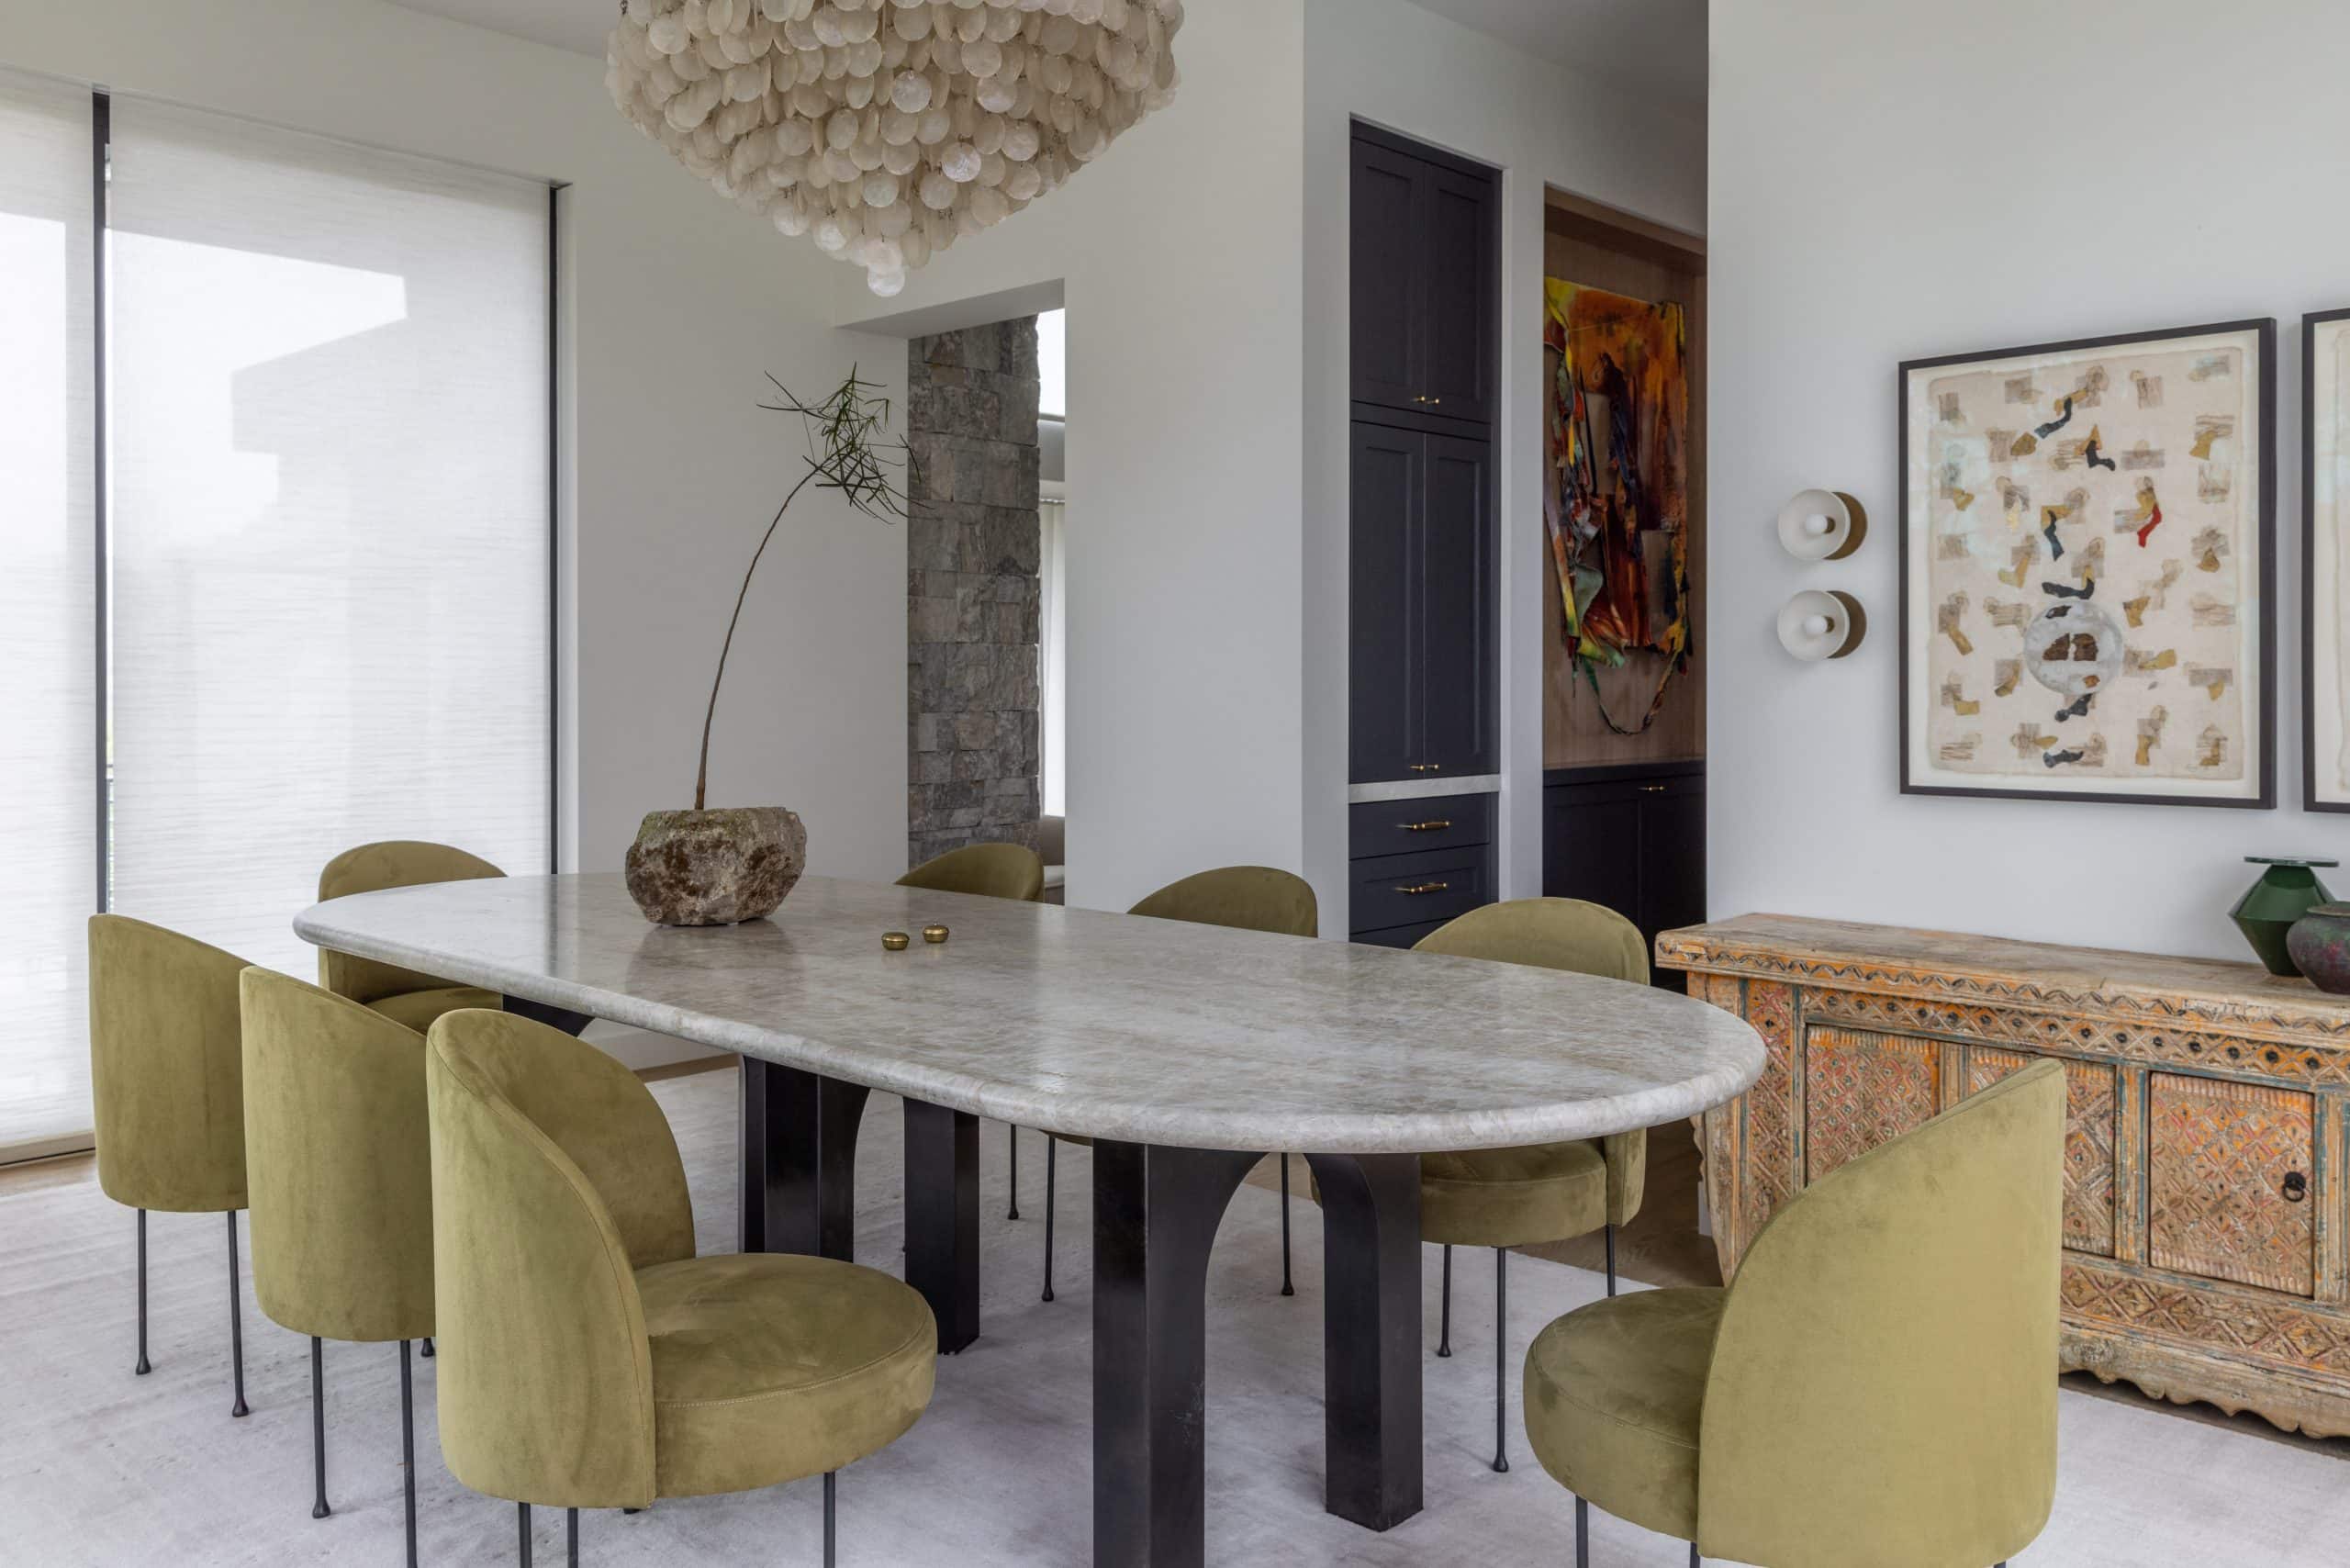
point(972, 550)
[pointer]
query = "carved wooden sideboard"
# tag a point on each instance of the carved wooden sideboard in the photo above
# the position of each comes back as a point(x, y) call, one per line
point(2203, 1193)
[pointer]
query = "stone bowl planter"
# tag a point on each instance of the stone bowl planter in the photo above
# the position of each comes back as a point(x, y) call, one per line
point(718, 868)
point(2320, 942)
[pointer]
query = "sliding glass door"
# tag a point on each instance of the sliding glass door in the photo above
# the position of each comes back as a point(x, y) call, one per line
point(48, 692)
point(322, 551)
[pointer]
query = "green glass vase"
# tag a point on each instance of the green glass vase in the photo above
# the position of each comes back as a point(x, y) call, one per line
point(2285, 892)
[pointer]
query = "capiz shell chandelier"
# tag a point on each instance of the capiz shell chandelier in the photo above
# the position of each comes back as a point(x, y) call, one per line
point(882, 129)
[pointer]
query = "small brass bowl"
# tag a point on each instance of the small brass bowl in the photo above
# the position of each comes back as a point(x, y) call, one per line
point(934, 935)
point(895, 941)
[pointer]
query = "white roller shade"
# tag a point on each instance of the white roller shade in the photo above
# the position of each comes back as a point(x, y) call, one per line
point(329, 521)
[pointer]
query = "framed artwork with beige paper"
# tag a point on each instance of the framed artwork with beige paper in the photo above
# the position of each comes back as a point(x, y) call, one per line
point(2325, 561)
point(2088, 570)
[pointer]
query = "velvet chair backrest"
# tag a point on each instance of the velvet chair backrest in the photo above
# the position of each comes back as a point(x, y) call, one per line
point(339, 1161)
point(554, 1178)
point(1884, 1386)
point(397, 863)
point(989, 870)
point(1246, 898)
point(167, 1069)
point(1553, 934)
point(1564, 933)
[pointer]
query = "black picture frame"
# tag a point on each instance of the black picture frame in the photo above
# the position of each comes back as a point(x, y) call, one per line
point(2264, 329)
point(2310, 325)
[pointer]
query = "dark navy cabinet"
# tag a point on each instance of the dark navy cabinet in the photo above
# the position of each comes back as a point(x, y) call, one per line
point(1631, 838)
point(1424, 571)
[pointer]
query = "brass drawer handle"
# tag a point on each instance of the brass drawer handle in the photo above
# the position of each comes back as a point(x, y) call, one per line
point(2296, 1187)
point(1436, 826)
point(1652, 789)
point(1423, 887)
point(1427, 767)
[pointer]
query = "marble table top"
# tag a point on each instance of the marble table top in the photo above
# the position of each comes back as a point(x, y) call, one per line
point(1076, 1021)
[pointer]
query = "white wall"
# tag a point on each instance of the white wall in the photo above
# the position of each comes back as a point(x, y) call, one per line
point(1412, 72)
point(676, 303)
point(1177, 257)
point(2032, 172)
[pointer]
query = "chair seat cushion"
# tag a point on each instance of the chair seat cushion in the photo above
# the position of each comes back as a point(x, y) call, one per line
point(417, 1009)
point(1614, 1396)
point(1513, 1197)
point(768, 1367)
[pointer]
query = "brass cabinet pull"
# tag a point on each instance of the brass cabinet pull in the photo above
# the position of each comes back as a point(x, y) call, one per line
point(1424, 397)
point(1436, 826)
point(1423, 887)
point(1652, 789)
point(1426, 766)
point(2296, 1187)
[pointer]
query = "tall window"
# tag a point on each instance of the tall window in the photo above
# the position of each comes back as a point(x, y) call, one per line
point(325, 572)
point(1052, 619)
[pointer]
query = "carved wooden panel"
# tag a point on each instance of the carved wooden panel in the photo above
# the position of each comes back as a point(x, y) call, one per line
point(1770, 1169)
point(1862, 1089)
point(2230, 1169)
point(2092, 1116)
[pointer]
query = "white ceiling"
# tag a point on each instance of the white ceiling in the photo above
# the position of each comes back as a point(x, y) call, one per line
point(567, 24)
point(1656, 44)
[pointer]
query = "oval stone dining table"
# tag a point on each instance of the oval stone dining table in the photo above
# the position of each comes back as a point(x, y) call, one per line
point(1184, 1051)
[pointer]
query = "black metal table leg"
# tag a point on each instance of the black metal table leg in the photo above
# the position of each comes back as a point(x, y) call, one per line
point(1371, 1336)
point(799, 1160)
point(561, 1018)
point(1154, 1217)
point(943, 1218)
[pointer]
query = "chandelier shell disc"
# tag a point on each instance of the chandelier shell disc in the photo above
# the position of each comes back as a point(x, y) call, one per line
point(885, 129)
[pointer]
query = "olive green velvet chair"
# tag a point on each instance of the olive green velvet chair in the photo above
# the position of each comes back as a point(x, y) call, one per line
point(1503, 1198)
point(989, 870)
point(588, 1359)
point(401, 995)
point(1241, 898)
point(338, 1159)
point(1878, 1384)
point(167, 1090)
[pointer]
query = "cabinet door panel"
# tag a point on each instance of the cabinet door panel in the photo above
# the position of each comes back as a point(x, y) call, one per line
point(1456, 686)
point(1388, 482)
point(1389, 288)
point(1460, 345)
point(1673, 855)
point(1591, 845)
point(1862, 1089)
point(2092, 1118)
point(2224, 1163)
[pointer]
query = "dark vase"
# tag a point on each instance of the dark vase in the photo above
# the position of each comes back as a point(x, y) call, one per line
point(2320, 943)
point(2285, 892)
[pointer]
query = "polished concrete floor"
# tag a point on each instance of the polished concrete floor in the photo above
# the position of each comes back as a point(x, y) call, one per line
point(98, 1467)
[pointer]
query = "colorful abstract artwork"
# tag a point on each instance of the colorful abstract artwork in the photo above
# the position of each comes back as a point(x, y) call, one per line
point(1617, 499)
point(2325, 547)
point(2088, 571)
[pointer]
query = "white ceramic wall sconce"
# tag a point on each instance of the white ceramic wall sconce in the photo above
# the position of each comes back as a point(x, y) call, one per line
point(1822, 525)
point(1816, 625)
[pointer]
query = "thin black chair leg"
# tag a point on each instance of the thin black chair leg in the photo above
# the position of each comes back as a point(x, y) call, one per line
point(427, 1346)
point(830, 1517)
point(1611, 1259)
point(1012, 1158)
point(1693, 1561)
point(236, 1323)
point(1444, 1331)
point(142, 1369)
point(1501, 1361)
point(408, 1449)
point(571, 1537)
point(1287, 1288)
point(318, 1508)
point(523, 1529)
point(1582, 1534)
point(1052, 1182)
